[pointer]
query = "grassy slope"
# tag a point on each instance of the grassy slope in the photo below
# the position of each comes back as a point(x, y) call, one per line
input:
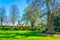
point(23, 35)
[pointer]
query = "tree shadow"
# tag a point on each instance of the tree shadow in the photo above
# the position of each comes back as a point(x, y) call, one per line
point(31, 34)
point(24, 34)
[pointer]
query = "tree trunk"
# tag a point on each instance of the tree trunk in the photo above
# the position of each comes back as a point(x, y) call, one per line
point(13, 26)
point(50, 26)
point(1, 24)
point(49, 20)
point(32, 25)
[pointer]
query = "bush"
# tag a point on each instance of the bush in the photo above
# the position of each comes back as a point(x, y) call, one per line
point(4, 28)
point(37, 27)
point(57, 29)
point(43, 28)
point(27, 26)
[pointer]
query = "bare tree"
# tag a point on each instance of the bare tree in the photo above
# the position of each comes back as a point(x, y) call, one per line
point(2, 11)
point(14, 14)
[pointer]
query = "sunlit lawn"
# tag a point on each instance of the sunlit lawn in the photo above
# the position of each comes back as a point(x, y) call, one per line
point(24, 35)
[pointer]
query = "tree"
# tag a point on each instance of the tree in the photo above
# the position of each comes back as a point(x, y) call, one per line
point(56, 20)
point(2, 11)
point(7, 20)
point(14, 14)
point(30, 15)
point(49, 21)
point(50, 6)
point(38, 4)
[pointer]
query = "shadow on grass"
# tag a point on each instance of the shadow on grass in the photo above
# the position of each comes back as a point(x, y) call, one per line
point(31, 34)
point(27, 34)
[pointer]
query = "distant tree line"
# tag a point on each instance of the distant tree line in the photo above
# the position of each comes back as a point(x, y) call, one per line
point(13, 16)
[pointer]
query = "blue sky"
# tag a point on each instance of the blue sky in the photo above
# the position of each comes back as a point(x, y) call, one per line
point(7, 4)
point(21, 4)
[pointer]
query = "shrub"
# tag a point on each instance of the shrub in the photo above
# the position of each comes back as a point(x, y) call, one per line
point(43, 28)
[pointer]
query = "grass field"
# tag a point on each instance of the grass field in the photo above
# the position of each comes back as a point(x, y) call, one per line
point(24, 35)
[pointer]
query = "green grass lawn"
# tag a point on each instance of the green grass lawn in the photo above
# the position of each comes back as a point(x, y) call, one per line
point(24, 35)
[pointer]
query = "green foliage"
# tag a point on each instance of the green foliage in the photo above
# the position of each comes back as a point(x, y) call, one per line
point(43, 28)
point(9, 28)
point(57, 28)
point(27, 25)
point(37, 27)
